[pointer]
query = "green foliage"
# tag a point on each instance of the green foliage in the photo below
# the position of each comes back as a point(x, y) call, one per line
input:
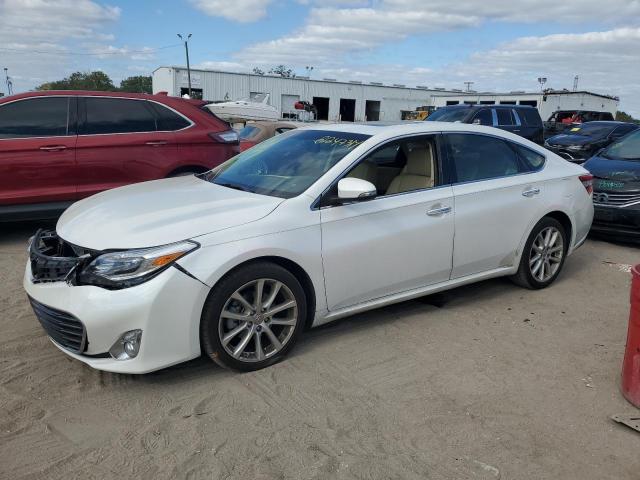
point(99, 81)
point(283, 71)
point(625, 117)
point(81, 81)
point(258, 71)
point(136, 84)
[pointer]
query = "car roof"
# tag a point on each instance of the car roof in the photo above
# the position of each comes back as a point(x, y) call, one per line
point(605, 123)
point(383, 130)
point(483, 105)
point(92, 93)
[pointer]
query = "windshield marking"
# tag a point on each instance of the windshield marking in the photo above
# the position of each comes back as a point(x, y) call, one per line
point(350, 143)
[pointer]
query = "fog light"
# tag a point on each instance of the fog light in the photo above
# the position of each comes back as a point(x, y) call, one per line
point(127, 346)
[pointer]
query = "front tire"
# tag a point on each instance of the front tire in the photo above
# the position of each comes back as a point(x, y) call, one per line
point(543, 255)
point(253, 317)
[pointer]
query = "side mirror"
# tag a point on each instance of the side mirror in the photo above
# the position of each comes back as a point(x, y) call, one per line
point(356, 189)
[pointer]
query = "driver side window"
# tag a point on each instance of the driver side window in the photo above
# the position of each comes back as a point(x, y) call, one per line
point(400, 166)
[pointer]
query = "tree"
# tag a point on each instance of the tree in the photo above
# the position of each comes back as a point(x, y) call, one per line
point(283, 71)
point(136, 84)
point(257, 71)
point(82, 81)
point(625, 117)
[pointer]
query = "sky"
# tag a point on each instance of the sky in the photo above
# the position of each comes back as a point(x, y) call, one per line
point(500, 45)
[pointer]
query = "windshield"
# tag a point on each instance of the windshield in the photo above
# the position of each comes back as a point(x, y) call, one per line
point(448, 115)
point(592, 130)
point(285, 165)
point(626, 149)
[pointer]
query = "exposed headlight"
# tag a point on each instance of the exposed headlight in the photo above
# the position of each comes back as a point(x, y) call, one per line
point(127, 268)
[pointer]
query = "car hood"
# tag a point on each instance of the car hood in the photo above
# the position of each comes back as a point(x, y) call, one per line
point(564, 140)
point(609, 169)
point(159, 212)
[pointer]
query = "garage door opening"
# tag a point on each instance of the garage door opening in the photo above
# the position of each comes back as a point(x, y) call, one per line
point(288, 106)
point(531, 103)
point(347, 109)
point(372, 110)
point(322, 105)
point(196, 93)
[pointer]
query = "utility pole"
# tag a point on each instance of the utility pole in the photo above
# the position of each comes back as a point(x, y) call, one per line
point(468, 84)
point(186, 49)
point(575, 83)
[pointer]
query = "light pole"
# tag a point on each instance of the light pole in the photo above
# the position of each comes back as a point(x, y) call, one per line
point(542, 81)
point(186, 49)
point(9, 82)
point(468, 84)
point(309, 69)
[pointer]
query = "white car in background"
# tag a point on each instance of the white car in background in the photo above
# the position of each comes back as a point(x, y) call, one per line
point(307, 227)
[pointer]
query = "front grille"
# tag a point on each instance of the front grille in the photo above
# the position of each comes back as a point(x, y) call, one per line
point(53, 259)
point(65, 329)
point(615, 199)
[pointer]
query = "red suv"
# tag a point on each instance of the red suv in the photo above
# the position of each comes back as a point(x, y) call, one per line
point(57, 147)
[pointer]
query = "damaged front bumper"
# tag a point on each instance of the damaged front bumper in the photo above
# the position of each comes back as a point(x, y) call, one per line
point(86, 321)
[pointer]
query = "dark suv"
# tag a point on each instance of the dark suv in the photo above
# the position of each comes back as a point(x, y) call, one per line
point(57, 147)
point(519, 119)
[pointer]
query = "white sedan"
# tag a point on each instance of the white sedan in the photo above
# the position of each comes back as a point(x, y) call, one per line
point(307, 227)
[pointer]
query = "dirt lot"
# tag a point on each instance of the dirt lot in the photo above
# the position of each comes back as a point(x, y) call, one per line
point(488, 381)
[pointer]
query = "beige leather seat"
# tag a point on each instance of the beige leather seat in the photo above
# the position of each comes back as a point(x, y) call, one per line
point(365, 171)
point(417, 173)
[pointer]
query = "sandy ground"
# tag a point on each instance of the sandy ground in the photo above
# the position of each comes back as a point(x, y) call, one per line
point(487, 381)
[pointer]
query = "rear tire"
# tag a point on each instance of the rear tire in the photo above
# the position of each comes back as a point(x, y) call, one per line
point(253, 317)
point(543, 255)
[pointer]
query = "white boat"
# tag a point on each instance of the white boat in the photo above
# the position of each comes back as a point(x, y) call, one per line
point(256, 108)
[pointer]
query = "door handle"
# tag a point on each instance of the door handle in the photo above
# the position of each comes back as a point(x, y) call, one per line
point(157, 143)
point(436, 212)
point(531, 192)
point(53, 148)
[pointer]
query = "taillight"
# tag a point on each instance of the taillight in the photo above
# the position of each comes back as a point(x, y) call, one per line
point(228, 136)
point(587, 181)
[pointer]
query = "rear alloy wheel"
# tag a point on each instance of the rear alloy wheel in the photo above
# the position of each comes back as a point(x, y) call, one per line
point(253, 317)
point(543, 255)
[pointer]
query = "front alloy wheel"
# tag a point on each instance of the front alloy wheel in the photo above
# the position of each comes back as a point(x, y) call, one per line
point(258, 320)
point(253, 317)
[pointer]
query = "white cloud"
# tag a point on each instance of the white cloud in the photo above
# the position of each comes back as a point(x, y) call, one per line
point(242, 11)
point(344, 28)
point(606, 62)
point(31, 26)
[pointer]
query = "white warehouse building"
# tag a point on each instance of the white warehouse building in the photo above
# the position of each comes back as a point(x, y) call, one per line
point(358, 101)
point(334, 100)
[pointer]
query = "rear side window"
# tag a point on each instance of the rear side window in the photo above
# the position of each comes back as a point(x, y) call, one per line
point(530, 161)
point(505, 116)
point(530, 117)
point(35, 117)
point(249, 132)
point(484, 117)
point(118, 115)
point(481, 157)
point(168, 120)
